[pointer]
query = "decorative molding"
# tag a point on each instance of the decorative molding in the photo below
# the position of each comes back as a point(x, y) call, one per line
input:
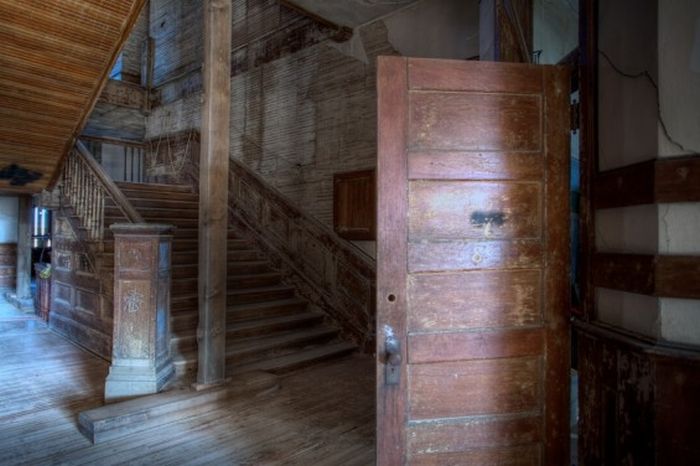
point(659, 275)
point(651, 182)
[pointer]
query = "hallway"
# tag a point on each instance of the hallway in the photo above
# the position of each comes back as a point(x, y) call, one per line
point(322, 415)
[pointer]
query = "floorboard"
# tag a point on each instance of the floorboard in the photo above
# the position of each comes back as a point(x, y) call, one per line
point(323, 415)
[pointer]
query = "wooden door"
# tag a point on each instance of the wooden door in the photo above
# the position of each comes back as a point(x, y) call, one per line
point(472, 263)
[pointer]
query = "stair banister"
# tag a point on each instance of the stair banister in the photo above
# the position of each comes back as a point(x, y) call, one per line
point(108, 184)
point(86, 185)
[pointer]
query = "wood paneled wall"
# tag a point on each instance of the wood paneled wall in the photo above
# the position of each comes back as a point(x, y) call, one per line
point(81, 297)
point(8, 265)
point(638, 400)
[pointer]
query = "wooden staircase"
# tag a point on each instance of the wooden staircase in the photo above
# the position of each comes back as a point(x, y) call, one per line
point(269, 328)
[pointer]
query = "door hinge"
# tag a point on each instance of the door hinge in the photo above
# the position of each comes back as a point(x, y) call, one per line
point(575, 116)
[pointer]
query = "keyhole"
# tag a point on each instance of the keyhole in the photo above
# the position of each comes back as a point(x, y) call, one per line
point(391, 298)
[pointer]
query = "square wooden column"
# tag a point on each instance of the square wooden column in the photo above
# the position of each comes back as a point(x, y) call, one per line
point(213, 192)
point(23, 291)
point(141, 362)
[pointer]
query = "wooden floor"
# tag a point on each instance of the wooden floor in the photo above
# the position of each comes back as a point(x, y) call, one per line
point(320, 416)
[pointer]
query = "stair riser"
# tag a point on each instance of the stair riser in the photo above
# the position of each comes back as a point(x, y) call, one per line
point(233, 334)
point(240, 315)
point(243, 255)
point(188, 285)
point(250, 356)
point(177, 222)
point(244, 297)
point(187, 321)
point(184, 287)
point(141, 203)
point(239, 283)
point(180, 346)
point(183, 304)
point(303, 364)
point(154, 214)
point(237, 268)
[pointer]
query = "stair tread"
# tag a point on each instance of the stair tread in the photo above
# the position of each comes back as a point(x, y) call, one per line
point(154, 186)
point(296, 358)
point(260, 289)
point(260, 323)
point(255, 323)
point(265, 304)
point(265, 343)
point(258, 344)
point(246, 307)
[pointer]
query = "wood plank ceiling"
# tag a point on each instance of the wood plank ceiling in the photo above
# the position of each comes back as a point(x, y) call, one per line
point(55, 56)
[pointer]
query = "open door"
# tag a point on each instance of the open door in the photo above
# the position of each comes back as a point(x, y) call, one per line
point(472, 263)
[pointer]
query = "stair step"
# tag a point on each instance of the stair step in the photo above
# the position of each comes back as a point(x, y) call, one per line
point(181, 188)
point(157, 214)
point(146, 202)
point(242, 255)
point(119, 419)
point(160, 195)
point(185, 341)
point(178, 222)
point(265, 309)
point(240, 267)
point(186, 321)
point(263, 293)
point(296, 360)
point(258, 348)
point(184, 287)
point(183, 303)
point(253, 280)
point(256, 327)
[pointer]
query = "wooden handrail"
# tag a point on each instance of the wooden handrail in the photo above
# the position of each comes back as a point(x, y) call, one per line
point(108, 184)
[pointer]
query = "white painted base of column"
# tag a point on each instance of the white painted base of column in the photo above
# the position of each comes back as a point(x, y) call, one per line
point(127, 380)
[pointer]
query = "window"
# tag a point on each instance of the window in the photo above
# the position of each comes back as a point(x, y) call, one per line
point(116, 72)
point(41, 228)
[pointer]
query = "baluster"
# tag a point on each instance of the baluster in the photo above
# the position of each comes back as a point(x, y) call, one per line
point(91, 207)
point(65, 175)
point(95, 200)
point(84, 193)
point(69, 178)
point(101, 215)
point(76, 189)
point(81, 193)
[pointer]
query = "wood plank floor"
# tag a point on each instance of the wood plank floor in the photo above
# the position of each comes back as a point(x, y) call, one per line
point(321, 416)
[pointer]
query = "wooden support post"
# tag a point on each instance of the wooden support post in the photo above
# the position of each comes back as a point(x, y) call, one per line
point(24, 251)
point(213, 192)
point(141, 362)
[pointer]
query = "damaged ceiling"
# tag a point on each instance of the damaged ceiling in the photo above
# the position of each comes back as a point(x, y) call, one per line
point(351, 13)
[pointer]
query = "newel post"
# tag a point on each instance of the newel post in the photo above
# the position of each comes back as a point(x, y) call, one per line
point(141, 362)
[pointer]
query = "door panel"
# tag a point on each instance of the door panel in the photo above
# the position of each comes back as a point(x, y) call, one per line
point(472, 284)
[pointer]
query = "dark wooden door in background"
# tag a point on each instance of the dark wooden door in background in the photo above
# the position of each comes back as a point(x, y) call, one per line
point(473, 289)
